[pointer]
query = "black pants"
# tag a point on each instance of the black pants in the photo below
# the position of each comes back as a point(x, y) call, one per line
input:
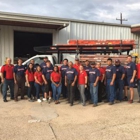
point(100, 91)
point(20, 84)
point(64, 89)
point(77, 93)
point(70, 91)
point(87, 93)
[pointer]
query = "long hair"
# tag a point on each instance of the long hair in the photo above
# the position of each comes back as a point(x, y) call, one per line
point(32, 69)
point(57, 68)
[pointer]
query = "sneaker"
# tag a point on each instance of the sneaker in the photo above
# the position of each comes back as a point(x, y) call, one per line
point(49, 100)
point(34, 98)
point(130, 101)
point(39, 100)
point(111, 103)
point(30, 100)
point(44, 99)
point(84, 104)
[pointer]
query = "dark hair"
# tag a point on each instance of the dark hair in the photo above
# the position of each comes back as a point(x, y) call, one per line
point(129, 56)
point(86, 61)
point(65, 59)
point(57, 68)
point(32, 69)
point(19, 59)
point(109, 59)
point(48, 61)
point(37, 67)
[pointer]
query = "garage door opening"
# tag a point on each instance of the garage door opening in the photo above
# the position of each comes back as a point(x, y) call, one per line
point(24, 43)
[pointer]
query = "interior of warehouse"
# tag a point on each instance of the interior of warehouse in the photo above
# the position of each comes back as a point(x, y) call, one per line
point(26, 41)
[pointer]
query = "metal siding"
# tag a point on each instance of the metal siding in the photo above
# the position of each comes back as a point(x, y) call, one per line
point(95, 31)
point(78, 30)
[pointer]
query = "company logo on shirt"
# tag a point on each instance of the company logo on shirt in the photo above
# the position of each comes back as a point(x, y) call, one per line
point(108, 70)
point(64, 68)
point(117, 69)
point(92, 72)
point(49, 70)
point(69, 72)
point(21, 69)
point(128, 67)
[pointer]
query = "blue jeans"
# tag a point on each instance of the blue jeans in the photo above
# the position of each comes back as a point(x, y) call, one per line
point(138, 86)
point(7, 83)
point(31, 90)
point(94, 93)
point(56, 91)
point(119, 85)
point(38, 88)
point(110, 90)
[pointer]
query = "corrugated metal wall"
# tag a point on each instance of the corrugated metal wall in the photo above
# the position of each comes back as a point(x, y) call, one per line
point(7, 39)
point(94, 31)
point(77, 30)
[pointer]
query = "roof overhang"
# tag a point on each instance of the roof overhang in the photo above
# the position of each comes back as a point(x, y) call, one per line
point(31, 21)
point(135, 28)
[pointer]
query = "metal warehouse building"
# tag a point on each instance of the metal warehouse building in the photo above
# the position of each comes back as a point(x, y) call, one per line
point(19, 33)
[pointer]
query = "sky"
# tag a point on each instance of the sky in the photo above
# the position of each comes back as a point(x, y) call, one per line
point(92, 10)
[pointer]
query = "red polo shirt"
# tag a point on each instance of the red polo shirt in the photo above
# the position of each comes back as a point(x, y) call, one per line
point(38, 76)
point(7, 71)
point(102, 71)
point(76, 67)
point(138, 70)
point(56, 77)
point(30, 76)
point(81, 77)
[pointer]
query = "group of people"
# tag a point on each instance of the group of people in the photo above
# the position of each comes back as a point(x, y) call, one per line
point(74, 81)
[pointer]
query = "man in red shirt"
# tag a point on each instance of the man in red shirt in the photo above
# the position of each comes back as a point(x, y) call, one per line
point(77, 64)
point(7, 79)
point(101, 81)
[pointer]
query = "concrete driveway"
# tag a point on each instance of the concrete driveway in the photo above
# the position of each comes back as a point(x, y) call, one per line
point(34, 121)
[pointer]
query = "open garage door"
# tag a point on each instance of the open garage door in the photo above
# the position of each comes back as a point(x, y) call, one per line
point(24, 43)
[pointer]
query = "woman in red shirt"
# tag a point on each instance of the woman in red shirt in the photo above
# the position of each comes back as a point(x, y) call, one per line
point(39, 81)
point(30, 82)
point(56, 84)
point(82, 84)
